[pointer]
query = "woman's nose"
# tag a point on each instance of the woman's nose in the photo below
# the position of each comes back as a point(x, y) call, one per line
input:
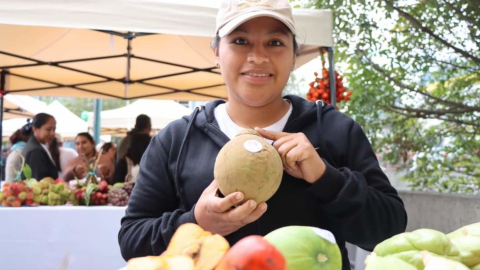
point(258, 54)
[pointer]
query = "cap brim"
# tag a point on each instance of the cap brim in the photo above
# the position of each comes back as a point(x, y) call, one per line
point(233, 24)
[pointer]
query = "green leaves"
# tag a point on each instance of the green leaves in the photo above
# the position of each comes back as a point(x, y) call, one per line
point(415, 73)
point(90, 188)
point(27, 171)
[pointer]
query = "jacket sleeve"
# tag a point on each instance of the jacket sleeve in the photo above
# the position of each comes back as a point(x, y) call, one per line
point(364, 209)
point(39, 161)
point(153, 213)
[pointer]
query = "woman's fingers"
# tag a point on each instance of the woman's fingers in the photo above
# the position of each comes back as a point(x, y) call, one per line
point(220, 205)
point(287, 154)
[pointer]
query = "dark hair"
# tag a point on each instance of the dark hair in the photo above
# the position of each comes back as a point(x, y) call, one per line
point(54, 149)
point(142, 122)
point(106, 147)
point(40, 119)
point(216, 43)
point(22, 134)
point(89, 137)
point(136, 146)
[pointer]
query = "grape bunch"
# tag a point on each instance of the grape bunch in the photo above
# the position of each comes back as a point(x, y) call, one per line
point(118, 196)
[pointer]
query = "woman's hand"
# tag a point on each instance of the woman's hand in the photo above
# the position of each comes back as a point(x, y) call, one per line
point(299, 157)
point(80, 171)
point(215, 214)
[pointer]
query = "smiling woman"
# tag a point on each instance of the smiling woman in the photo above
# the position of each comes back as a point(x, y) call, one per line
point(331, 177)
point(36, 152)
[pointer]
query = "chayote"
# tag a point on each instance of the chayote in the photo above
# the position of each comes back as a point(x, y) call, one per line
point(467, 240)
point(387, 263)
point(407, 246)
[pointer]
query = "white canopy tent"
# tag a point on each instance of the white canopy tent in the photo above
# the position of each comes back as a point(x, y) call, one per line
point(19, 106)
point(68, 124)
point(161, 112)
point(47, 50)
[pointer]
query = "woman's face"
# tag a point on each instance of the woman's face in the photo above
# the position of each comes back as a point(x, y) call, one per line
point(256, 60)
point(84, 146)
point(111, 151)
point(46, 132)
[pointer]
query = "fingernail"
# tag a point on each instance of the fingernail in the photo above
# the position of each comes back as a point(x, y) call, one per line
point(263, 207)
point(239, 196)
point(252, 204)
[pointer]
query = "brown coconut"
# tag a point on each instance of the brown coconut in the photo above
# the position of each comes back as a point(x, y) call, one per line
point(248, 163)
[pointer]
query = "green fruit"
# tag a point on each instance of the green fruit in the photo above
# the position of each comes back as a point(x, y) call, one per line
point(467, 240)
point(434, 262)
point(307, 248)
point(118, 185)
point(407, 246)
point(2, 196)
point(37, 190)
point(37, 198)
point(375, 262)
point(44, 200)
point(476, 267)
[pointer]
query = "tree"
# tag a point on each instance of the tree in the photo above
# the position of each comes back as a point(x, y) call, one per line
point(414, 68)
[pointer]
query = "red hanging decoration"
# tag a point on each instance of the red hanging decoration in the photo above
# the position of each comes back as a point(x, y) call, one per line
point(320, 87)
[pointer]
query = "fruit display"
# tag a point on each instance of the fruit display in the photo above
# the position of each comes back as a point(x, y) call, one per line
point(248, 163)
point(427, 249)
point(320, 87)
point(92, 194)
point(307, 247)
point(17, 194)
point(190, 248)
point(252, 252)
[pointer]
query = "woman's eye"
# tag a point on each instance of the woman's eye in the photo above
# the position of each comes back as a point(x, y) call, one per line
point(240, 41)
point(276, 43)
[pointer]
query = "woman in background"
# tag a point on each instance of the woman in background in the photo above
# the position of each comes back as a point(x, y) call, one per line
point(14, 160)
point(78, 167)
point(36, 151)
point(61, 155)
point(129, 164)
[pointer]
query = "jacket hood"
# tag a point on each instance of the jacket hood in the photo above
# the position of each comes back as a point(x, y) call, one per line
point(303, 113)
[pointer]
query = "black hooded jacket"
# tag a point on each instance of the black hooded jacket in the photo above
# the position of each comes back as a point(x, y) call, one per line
point(353, 199)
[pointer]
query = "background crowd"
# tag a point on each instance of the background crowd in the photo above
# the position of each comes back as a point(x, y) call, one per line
point(37, 145)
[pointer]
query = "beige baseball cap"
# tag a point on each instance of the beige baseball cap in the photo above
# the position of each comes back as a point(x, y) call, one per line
point(233, 13)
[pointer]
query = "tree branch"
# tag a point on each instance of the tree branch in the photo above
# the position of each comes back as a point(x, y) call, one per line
point(461, 15)
point(415, 115)
point(437, 112)
point(417, 24)
point(409, 88)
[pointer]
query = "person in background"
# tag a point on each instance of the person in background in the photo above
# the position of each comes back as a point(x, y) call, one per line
point(107, 161)
point(14, 160)
point(3, 162)
point(143, 124)
point(129, 164)
point(60, 154)
point(36, 151)
point(78, 166)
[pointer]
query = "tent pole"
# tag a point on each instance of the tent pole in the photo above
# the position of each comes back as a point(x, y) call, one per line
point(127, 74)
point(96, 125)
point(2, 94)
point(333, 91)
